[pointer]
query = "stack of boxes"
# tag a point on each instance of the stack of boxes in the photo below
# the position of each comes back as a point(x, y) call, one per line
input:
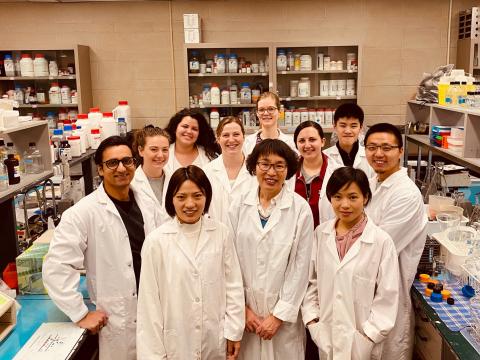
point(191, 28)
point(448, 137)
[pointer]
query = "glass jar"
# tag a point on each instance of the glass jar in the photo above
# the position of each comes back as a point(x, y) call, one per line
point(297, 63)
point(296, 117)
point(305, 62)
point(225, 97)
point(40, 65)
point(294, 88)
point(245, 94)
point(290, 60)
point(54, 94)
point(232, 63)
point(206, 95)
point(233, 94)
point(220, 64)
point(194, 63)
point(303, 115)
point(26, 65)
point(304, 87)
point(281, 60)
point(215, 94)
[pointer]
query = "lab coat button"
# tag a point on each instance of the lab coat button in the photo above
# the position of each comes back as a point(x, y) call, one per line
point(195, 273)
point(339, 295)
point(197, 299)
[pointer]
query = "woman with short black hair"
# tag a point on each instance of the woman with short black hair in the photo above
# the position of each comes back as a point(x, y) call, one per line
point(190, 302)
point(273, 230)
point(352, 297)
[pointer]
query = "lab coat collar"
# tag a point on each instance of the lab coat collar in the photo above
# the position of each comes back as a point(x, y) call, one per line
point(218, 167)
point(171, 226)
point(392, 179)
point(284, 200)
point(104, 199)
point(330, 233)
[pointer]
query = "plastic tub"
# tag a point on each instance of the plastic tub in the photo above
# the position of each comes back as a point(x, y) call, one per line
point(455, 144)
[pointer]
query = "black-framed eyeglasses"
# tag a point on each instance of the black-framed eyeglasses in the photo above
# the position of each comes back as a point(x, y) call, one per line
point(265, 166)
point(270, 110)
point(127, 161)
point(385, 148)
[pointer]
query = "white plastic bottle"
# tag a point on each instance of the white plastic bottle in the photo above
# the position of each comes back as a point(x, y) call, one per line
point(215, 94)
point(214, 118)
point(108, 125)
point(40, 65)
point(78, 131)
point(245, 94)
point(84, 123)
point(54, 95)
point(95, 117)
point(66, 95)
point(206, 98)
point(53, 68)
point(121, 127)
point(26, 66)
point(123, 110)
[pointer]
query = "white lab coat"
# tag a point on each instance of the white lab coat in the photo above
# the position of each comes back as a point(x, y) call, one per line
point(189, 303)
point(360, 161)
point(92, 234)
point(223, 193)
point(354, 297)
point(325, 209)
point(140, 183)
point(201, 160)
point(251, 141)
point(397, 207)
point(274, 262)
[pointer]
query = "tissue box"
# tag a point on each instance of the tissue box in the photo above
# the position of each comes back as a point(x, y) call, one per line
point(29, 269)
point(8, 119)
point(8, 315)
point(191, 21)
point(192, 36)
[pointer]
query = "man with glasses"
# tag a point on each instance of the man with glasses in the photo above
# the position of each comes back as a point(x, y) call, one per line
point(103, 233)
point(396, 207)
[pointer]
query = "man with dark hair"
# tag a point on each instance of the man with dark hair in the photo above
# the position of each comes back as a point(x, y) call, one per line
point(348, 124)
point(397, 207)
point(103, 233)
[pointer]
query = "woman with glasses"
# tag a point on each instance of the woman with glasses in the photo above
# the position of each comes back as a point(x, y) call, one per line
point(268, 106)
point(228, 173)
point(193, 140)
point(151, 145)
point(352, 298)
point(273, 230)
point(191, 303)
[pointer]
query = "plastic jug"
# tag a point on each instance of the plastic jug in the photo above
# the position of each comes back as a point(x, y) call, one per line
point(108, 126)
point(123, 111)
point(95, 117)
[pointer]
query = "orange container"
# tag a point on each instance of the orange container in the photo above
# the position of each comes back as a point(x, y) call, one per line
point(445, 294)
point(10, 275)
point(428, 292)
point(424, 278)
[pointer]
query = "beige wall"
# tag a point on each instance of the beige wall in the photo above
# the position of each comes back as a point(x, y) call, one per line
point(137, 47)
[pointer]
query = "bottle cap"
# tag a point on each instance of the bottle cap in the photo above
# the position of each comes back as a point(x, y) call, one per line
point(428, 292)
point(121, 119)
point(108, 114)
point(73, 138)
point(67, 128)
point(468, 291)
point(24, 56)
point(2, 142)
point(94, 109)
point(430, 285)
point(436, 297)
point(57, 132)
point(445, 294)
point(95, 131)
point(31, 144)
point(123, 102)
point(8, 57)
point(82, 116)
point(438, 288)
point(450, 301)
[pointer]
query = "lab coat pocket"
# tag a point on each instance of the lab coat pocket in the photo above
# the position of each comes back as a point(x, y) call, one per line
point(364, 291)
point(211, 267)
point(170, 343)
point(320, 334)
point(362, 347)
point(116, 310)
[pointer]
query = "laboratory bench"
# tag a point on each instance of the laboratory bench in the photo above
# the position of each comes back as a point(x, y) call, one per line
point(38, 309)
point(434, 340)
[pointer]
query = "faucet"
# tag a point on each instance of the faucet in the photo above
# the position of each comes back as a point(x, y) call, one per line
point(39, 199)
point(44, 199)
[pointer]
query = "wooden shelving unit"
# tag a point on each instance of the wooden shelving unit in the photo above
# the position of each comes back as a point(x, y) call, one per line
point(273, 80)
point(79, 55)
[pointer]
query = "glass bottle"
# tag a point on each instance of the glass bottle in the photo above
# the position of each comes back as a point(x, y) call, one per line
point(32, 159)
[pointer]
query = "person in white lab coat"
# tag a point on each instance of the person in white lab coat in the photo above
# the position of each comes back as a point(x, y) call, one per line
point(348, 151)
point(103, 233)
point(191, 303)
point(227, 173)
point(151, 146)
point(352, 298)
point(397, 207)
point(193, 140)
point(273, 229)
point(315, 168)
point(268, 106)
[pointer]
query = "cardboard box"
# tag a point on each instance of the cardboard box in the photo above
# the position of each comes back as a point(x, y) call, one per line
point(192, 36)
point(8, 315)
point(191, 21)
point(29, 269)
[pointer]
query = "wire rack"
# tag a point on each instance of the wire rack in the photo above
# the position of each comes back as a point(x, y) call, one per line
point(471, 276)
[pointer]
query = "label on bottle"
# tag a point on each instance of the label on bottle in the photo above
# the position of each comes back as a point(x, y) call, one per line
point(194, 65)
point(16, 171)
point(28, 161)
point(3, 177)
point(41, 98)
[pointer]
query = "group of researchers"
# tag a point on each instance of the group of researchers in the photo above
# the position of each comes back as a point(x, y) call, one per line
point(215, 245)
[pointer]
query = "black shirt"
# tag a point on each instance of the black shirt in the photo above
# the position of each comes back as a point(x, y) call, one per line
point(347, 158)
point(133, 220)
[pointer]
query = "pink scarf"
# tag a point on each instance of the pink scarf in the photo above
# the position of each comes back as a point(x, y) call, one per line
point(346, 241)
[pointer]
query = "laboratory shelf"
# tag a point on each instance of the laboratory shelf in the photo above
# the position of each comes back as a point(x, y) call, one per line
point(30, 78)
point(222, 106)
point(26, 181)
point(317, 72)
point(227, 74)
point(35, 106)
point(23, 126)
point(348, 97)
point(424, 141)
point(79, 159)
